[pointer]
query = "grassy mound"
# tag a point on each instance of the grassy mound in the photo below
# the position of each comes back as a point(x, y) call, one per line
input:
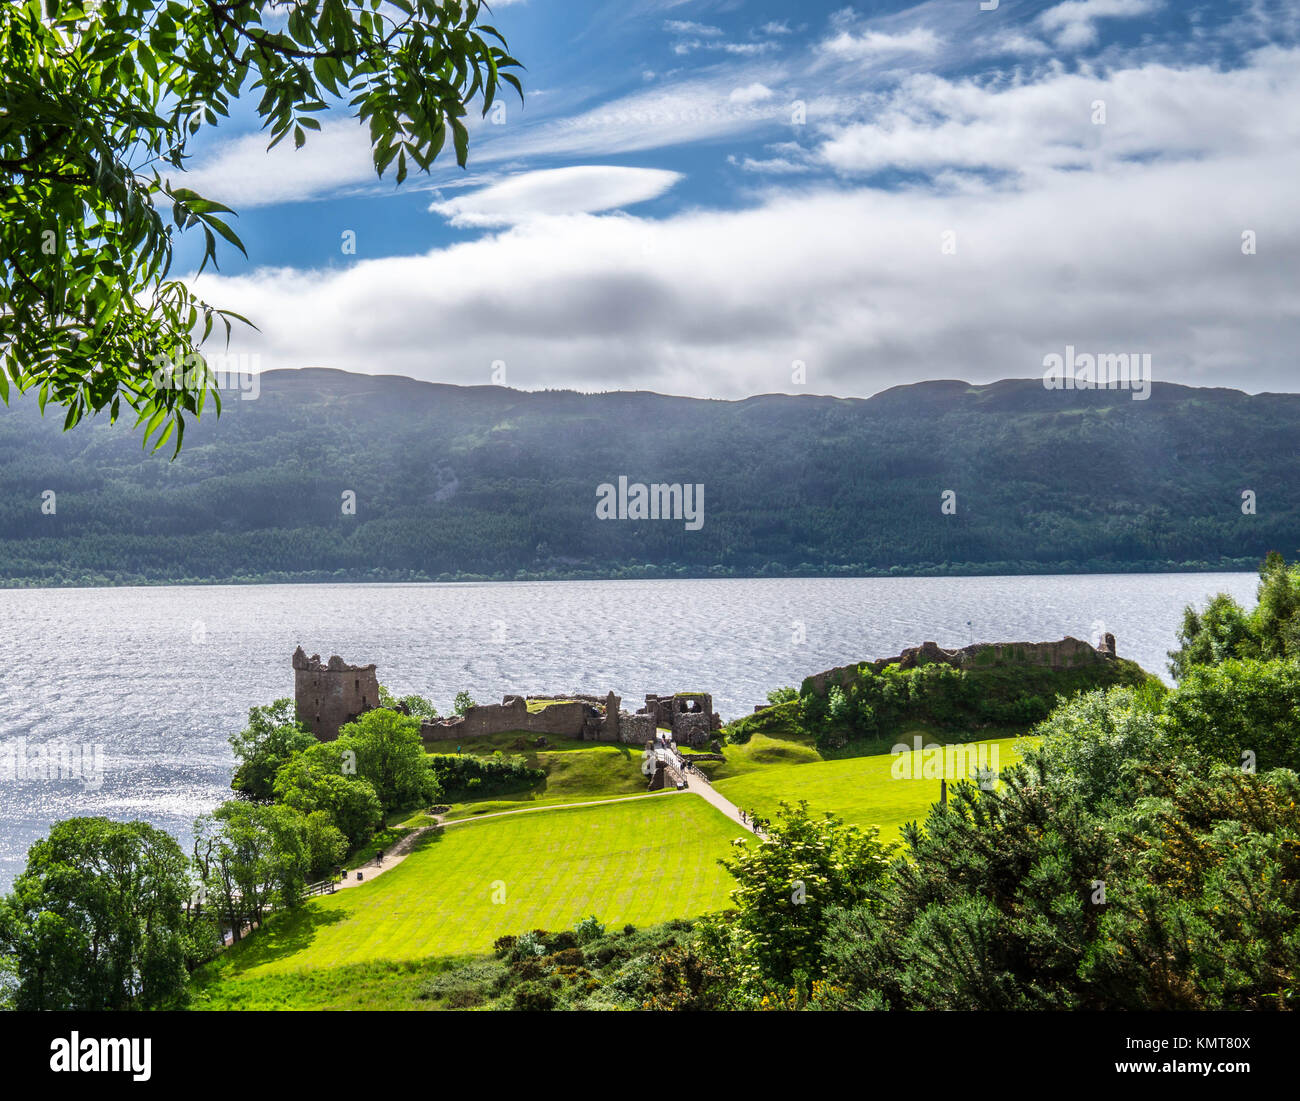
point(866, 709)
point(862, 790)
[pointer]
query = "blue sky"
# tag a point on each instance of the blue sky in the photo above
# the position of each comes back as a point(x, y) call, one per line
point(702, 196)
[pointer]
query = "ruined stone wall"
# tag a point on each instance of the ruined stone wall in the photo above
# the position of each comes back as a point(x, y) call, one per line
point(661, 708)
point(573, 719)
point(1068, 653)
point(692, 728)
point(331, 694)
point(636, 729)
point(610, 722)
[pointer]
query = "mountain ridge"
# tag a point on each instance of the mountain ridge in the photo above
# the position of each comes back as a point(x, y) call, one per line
point(487, 482)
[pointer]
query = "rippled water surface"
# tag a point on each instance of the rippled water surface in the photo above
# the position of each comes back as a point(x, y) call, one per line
point(159, 677)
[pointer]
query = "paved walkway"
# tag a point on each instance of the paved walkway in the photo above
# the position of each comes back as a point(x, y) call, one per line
point(392, 858)
point(706, 791)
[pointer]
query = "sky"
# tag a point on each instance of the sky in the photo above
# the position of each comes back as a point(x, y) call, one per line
point(721, 198)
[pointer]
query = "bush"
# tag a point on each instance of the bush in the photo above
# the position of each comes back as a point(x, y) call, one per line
point(569, 957)
point(533, 997)
point(465, 999)
point(464, 986)
point(466, 776)
point(528, 945)
point(589, 929)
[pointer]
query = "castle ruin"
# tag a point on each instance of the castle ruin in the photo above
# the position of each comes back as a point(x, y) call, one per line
point(689, 716)
point(330, 694)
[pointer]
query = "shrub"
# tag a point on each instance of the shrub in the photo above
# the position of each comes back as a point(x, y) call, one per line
point(534, 996)
point(465, 999)
point(557, 942)
point(462, 776)
point(528, 945)
point(589, 929)
point(470, 981)
point(569, 957)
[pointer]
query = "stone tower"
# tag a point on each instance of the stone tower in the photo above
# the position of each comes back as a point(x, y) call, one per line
point(328, 695)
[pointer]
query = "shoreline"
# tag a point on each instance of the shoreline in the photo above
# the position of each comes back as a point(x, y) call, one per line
point(1242, 566)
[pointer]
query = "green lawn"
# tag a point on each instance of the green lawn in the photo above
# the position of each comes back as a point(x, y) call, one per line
point(637, 862)
point(859, 789)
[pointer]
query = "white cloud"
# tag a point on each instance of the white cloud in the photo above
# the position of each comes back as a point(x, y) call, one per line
point(741, 49)
point(930, 123)
point(772, 166)
point(751, 93)
point(1129, 254)
point(241, 173)
point(874, 44)
point(581, 189)
point(685, 26)
point(1011, 42)
point(668, 114)
point(1074, 22)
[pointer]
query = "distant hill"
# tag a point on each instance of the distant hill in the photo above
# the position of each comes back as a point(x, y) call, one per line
point(484, 482)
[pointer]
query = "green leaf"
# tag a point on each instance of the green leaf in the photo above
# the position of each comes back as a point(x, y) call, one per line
point(228, 233)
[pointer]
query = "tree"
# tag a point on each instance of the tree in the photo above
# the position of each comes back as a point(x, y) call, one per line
point(1241, 713)
point(97, 920)
point(1096, 741)
point(415, 705)
point(101, 100)
point(463, 702)
point(992, 907)
point(787, 883)
point(389, 752)
point(326, 845)
point(251, 857)
point(1204, 910)
point(1221, 631)
point(1224, 631)
point(272, 737)
point(1276, 619)
point(313, 782)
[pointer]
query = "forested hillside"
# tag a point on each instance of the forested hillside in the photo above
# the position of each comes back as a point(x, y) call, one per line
point(484, 482)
